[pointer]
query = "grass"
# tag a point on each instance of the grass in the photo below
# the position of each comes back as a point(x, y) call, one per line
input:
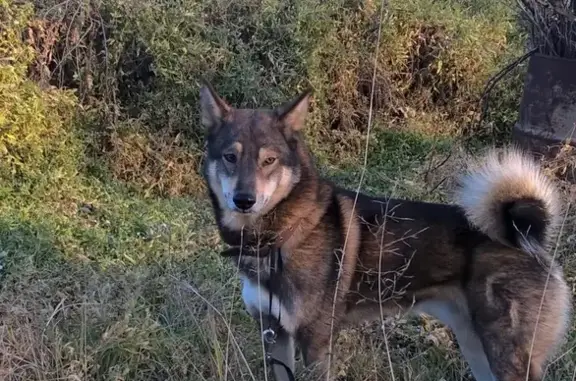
point(109, 265)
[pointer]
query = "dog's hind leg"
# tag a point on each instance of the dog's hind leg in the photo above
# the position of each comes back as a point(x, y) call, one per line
point(508, 349)
point(455, 315)
point(519, 328)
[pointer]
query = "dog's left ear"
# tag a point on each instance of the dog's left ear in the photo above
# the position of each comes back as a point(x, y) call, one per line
point(293, 114)
point(214, 108)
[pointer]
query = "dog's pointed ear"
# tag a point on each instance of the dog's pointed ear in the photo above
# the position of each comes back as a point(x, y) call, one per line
point(213, 108)
point(293, 113)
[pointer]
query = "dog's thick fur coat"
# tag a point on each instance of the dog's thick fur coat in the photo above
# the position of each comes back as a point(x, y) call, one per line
point(480, 266)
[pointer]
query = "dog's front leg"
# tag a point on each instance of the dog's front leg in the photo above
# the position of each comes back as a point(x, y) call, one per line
point(314, 342)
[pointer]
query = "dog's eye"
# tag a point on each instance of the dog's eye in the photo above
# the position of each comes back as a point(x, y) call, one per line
point(268, 161)
point(230, 157)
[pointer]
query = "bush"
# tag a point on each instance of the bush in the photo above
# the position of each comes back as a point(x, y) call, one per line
point(36, 134)
point(139, 64)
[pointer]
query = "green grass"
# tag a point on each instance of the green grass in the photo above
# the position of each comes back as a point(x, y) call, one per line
point(108, 247)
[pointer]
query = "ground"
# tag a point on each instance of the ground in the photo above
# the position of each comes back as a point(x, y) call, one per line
point(109, 265)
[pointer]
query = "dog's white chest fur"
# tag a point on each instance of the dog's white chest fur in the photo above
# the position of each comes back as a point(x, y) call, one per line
point(257, 301)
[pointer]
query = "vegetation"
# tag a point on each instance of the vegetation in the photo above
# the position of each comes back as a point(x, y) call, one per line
point(551, 26)
point(109, 266)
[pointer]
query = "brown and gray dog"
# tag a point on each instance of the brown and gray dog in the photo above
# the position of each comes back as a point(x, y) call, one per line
point(480, 266)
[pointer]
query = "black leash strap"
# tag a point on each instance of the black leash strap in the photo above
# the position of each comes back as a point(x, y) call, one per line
point(269, 335)
point(272, 361)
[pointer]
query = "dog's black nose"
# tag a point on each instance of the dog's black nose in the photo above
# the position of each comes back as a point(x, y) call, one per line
point(244, 201)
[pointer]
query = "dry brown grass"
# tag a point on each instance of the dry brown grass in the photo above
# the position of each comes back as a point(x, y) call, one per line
point(159, 164)
point(562, 167)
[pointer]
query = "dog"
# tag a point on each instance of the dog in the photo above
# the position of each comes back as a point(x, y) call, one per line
point(480, 265)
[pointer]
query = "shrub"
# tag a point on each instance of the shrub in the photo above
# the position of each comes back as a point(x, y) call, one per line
point(143, 60)
point(36, 134)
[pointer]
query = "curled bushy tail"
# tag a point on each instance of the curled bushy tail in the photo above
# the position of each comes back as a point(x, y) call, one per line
point(508, 198)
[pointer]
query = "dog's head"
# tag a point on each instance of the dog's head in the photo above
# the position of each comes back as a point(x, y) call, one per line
point(252, 162)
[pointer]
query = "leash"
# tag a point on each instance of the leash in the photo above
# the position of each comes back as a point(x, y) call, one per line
point(269, 335)
point(275, 263)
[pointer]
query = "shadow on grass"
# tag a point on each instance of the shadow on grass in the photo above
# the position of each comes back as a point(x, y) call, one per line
point(24, 245)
